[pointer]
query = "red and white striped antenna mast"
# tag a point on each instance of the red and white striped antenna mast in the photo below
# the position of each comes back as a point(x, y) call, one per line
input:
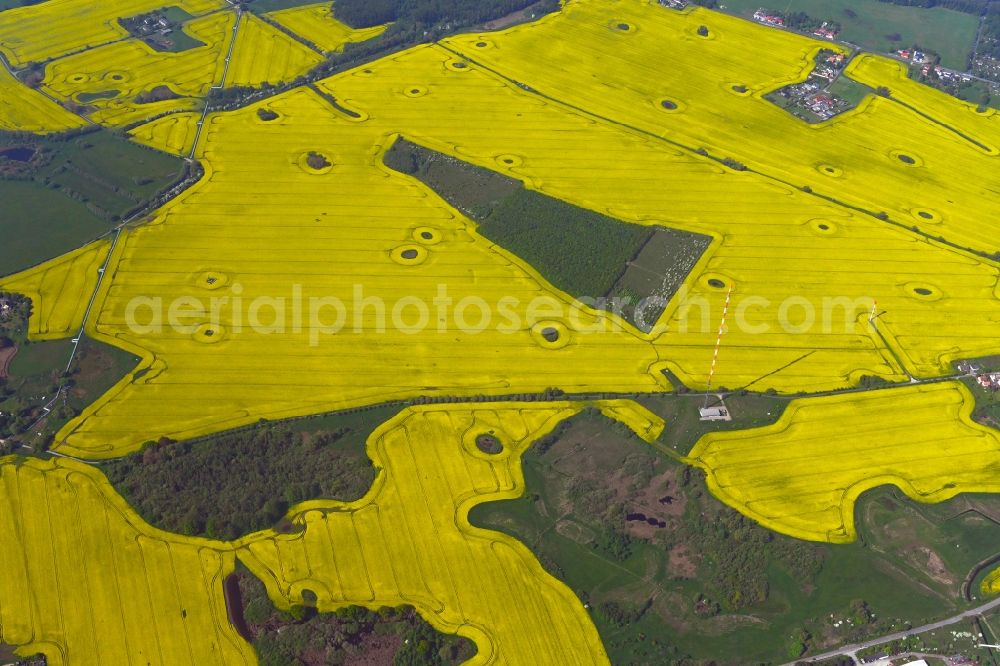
point(718, 342)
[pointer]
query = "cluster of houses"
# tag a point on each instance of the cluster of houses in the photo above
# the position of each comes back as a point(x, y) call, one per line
point(829, 67)
point(812, 96)
point(946, 74)
point(674, 4)
point(768, 17)
point(916, 56)
point(826, 30)
point(150, 24)
point(988, 380)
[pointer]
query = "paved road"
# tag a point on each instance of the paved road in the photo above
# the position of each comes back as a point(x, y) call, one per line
point(852, 650)
point(222, 84)
point(93, 296)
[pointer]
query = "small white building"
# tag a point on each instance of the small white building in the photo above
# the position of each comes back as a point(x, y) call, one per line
point(714, 414)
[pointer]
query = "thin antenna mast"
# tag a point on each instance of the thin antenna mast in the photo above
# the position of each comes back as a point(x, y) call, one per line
point(718, 342)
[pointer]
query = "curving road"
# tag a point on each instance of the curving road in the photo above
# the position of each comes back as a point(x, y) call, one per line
point(852, 650)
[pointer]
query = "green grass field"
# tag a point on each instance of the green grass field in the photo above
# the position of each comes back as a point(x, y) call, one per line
point(945, 31)
point(850, 90)
point(37, 225)
point(262, 6)
point(42, 220)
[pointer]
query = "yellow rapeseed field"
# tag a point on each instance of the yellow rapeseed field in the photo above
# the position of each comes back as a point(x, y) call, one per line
point(174, 133)
point(121, 71)
point(776, 246)
point(264, 54)
point(25, 110)
point(982, 127)
point(47, 30)
point(619, 60)
point(263, 224)
point(991, 583)
point(802, 475)
point(788, 255)
point(59, 291)
point(86, 582)
point(409, 540)
point(316, 24)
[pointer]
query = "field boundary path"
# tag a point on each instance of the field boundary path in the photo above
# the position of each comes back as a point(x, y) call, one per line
point(852, 650)
point(222, 83)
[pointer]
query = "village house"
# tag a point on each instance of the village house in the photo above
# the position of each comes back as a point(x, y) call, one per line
point(766, 17)
point(825, 31)
point(989, 381)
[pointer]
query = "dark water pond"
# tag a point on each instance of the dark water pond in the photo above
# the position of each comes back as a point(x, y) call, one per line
point(18, 153)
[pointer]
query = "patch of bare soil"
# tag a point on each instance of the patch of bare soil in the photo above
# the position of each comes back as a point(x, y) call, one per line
point(6, 356)
point(935, 567)
point(510, 19)
point(724, 624)
point(681, 562)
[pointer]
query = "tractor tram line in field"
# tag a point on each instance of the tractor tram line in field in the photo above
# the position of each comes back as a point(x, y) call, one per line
point(700, 151)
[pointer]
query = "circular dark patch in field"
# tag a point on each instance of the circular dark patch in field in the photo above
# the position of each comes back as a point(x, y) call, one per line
point(459, 65)
point(117, 77)
point(740, 89)
point(18, 153)
point(550, 333)
point(408, 254)
point(924, 214)
point(923, 291)
point(267, 115)
point(906, 159)
point(624, 26)
point(426, 235)
point(508, 160)
point(368, 71)
point(824, 227)
point(317, 161)
point(415, 91)
point(667, 104)
point(488, 443)
point(703, 31)
point(716, 283)
point(482, 45)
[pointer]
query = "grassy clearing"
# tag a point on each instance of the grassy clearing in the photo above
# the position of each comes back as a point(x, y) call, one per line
point(870, 24)
point(751, 410)
point(96, 368)
point(656, 272)
point(987, 409)
point(767, 588)
point(850, 90)
point(37, 372)
point(231, 484)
